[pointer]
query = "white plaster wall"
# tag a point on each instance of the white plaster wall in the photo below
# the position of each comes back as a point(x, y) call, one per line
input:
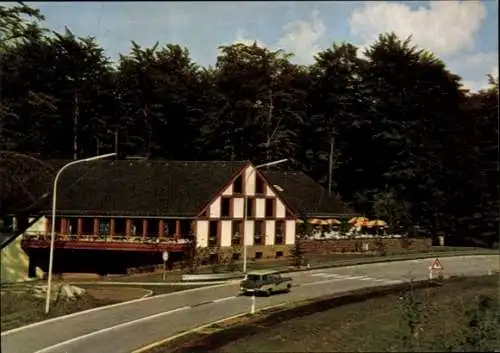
point(270, 230)
point(250, 181)
point(228, 191)
point(14, 262)
point(238, 206)
point(225, 235)
point(260, 208)
point(290, 232)
point(37, 227)
point(269, 191)
point(202, 233)
point(280, 209)
point(215, 208)
point(249, 233)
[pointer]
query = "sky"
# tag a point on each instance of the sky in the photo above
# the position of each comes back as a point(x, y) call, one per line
point(462, 33)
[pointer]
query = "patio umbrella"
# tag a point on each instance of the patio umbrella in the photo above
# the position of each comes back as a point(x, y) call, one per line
point(318, 222)
point(299, 221)
point(377, 223)
point(356, 220)
point(332, 221)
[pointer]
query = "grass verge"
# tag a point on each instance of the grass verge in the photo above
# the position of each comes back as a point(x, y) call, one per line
point(462, 314)
point(20, 307)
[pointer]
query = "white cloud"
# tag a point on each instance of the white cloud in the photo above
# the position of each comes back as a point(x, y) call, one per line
point(240, 38)
point(446, 27)
point(303, 37)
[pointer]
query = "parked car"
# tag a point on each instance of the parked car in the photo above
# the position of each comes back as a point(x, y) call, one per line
point(265, 282)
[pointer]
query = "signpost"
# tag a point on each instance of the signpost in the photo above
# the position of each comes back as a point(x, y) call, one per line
point(436, 266)
point(252, 308)
point(165, 259)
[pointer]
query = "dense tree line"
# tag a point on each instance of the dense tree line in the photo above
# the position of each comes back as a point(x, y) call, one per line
point(393, 129)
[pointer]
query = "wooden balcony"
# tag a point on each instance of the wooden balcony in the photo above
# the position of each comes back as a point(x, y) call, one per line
point(101, 242)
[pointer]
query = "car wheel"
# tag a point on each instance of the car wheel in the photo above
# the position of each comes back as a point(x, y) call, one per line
point(288, 287)
point(269, 292)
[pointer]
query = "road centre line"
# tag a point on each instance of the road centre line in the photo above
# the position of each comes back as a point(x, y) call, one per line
point(111, 328)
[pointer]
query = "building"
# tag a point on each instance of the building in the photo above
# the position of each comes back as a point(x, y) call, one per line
point(114, 214)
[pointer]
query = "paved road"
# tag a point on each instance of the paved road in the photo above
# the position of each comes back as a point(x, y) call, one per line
point(124, 328)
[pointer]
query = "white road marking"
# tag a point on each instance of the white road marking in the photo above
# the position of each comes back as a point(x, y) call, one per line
point(320, 274)
point(111, 328)
point(322, 282)
point(84, 312)
point(223, 299)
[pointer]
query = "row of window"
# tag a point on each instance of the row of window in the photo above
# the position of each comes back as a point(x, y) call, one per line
point(137, 226)
point(269, 212)
point(237, 232)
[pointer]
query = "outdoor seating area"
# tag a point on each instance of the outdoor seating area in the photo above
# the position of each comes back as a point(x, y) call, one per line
point(354, 228)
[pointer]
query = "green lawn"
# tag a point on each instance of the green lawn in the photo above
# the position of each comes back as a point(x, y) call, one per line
point(461, 315)
point(20, 307)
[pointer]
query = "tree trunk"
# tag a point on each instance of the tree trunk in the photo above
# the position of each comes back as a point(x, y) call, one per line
point(330, 165)
point(76, 113)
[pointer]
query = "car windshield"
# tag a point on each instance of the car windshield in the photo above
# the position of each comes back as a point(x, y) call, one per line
point(253, 277)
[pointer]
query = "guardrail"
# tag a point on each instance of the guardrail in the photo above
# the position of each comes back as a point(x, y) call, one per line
point(212, 276)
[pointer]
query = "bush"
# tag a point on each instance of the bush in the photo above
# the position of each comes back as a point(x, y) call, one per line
point(297, 254)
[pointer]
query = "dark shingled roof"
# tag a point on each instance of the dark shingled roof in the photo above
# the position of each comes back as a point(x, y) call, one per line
point(141, 187)
point(305, 196)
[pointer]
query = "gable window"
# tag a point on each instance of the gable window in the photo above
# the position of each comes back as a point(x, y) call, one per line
point(213, 228)
point(279, 232)
point(250, 203)
point(238, 185)
point(269, 208)
point(225, 207)
point(259, 233)
point(259, 185)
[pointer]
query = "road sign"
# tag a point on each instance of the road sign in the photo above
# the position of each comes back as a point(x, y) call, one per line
point(436, 265)
point(165, 256)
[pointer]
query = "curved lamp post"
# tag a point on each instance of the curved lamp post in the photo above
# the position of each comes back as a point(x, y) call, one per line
point(53, 224)
point(245, 208)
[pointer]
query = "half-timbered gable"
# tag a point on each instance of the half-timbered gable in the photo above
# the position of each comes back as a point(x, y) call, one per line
point(268, 220)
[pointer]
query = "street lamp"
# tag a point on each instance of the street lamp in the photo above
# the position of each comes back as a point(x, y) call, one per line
point(245, 202)
point(53, 225)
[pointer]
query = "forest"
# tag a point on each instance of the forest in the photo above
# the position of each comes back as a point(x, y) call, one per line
point(392, 132)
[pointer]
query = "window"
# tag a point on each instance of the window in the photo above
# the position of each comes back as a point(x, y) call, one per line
point(259, 185)
point(136, 227)
point(153, 227)
point(279, 254)
point(279, 232)
point(238, 185)
point(185, 225)
point(237, 233)
point(250, 203)
point(212, 233)
point(269, 208)
point(258, 255)
point(104, 226)
point(72, 226)
point(225, 207)
point(120, 226)
point(259, 233)
point(87, 226)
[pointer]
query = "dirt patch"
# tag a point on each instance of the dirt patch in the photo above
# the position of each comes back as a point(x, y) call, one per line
point(432, 318)
point(116, 294)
